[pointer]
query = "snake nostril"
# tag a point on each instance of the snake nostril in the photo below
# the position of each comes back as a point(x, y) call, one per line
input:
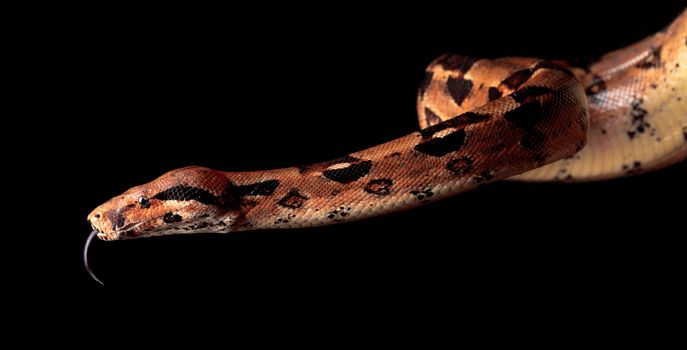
point(97, 216)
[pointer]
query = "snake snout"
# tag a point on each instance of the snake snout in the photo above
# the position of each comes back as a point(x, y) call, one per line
point(99, 223)
point(95, 220)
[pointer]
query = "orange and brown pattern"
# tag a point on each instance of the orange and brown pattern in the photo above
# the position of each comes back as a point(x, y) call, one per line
point(635, 98)
point(482, 121)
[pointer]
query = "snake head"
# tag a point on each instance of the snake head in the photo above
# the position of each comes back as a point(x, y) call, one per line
point(186, 200)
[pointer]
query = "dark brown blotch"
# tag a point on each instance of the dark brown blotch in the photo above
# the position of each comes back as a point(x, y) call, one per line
point(187, 193)
point(456, 62)
point(518, 78)
point(460, 166)
point(494, 93)
point(530, 92)
point(464, 119)
point(379, 187)
point(484, 176)
point(534, 139)
point(422, 194)
point(633, 169)
point(264, 188)
point(233, 196)
point(171, 218)
point(459, 88)
point(339, 214)
point(327, 164)
point(639, 124)
point(438, 147)
point(293, 200)
point(526, 115)
point(350, 173)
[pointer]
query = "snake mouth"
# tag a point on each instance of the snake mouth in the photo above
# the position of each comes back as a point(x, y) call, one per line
point(126, 232)
point(100, 234)
point(133, 231)
point(105, 236)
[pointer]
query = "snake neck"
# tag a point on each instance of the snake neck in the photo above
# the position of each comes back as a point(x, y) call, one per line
point(497, 141)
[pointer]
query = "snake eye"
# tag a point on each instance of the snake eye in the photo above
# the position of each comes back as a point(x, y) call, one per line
point(144, 202)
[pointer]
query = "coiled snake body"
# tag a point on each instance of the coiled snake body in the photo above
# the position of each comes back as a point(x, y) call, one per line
point(482, 120)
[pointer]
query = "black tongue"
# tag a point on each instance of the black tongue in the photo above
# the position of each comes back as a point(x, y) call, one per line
point(85, 255)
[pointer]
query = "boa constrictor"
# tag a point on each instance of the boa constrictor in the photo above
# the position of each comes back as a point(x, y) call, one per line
point(481, 120)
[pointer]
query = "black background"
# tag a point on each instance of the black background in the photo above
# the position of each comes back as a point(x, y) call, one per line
point(136, 92)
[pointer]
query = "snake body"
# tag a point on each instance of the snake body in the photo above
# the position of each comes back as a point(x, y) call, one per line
point(482, 120)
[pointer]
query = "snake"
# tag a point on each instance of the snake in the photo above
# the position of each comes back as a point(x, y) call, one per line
point(481, 120)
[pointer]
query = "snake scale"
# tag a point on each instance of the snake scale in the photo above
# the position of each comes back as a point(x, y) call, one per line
point(481, 120)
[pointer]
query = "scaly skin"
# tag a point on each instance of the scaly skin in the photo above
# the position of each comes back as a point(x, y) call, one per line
point(636, 99)
point(513, 116)
point(545, 120)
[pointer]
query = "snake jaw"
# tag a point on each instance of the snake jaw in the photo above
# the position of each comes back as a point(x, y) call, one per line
point(104, 237)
